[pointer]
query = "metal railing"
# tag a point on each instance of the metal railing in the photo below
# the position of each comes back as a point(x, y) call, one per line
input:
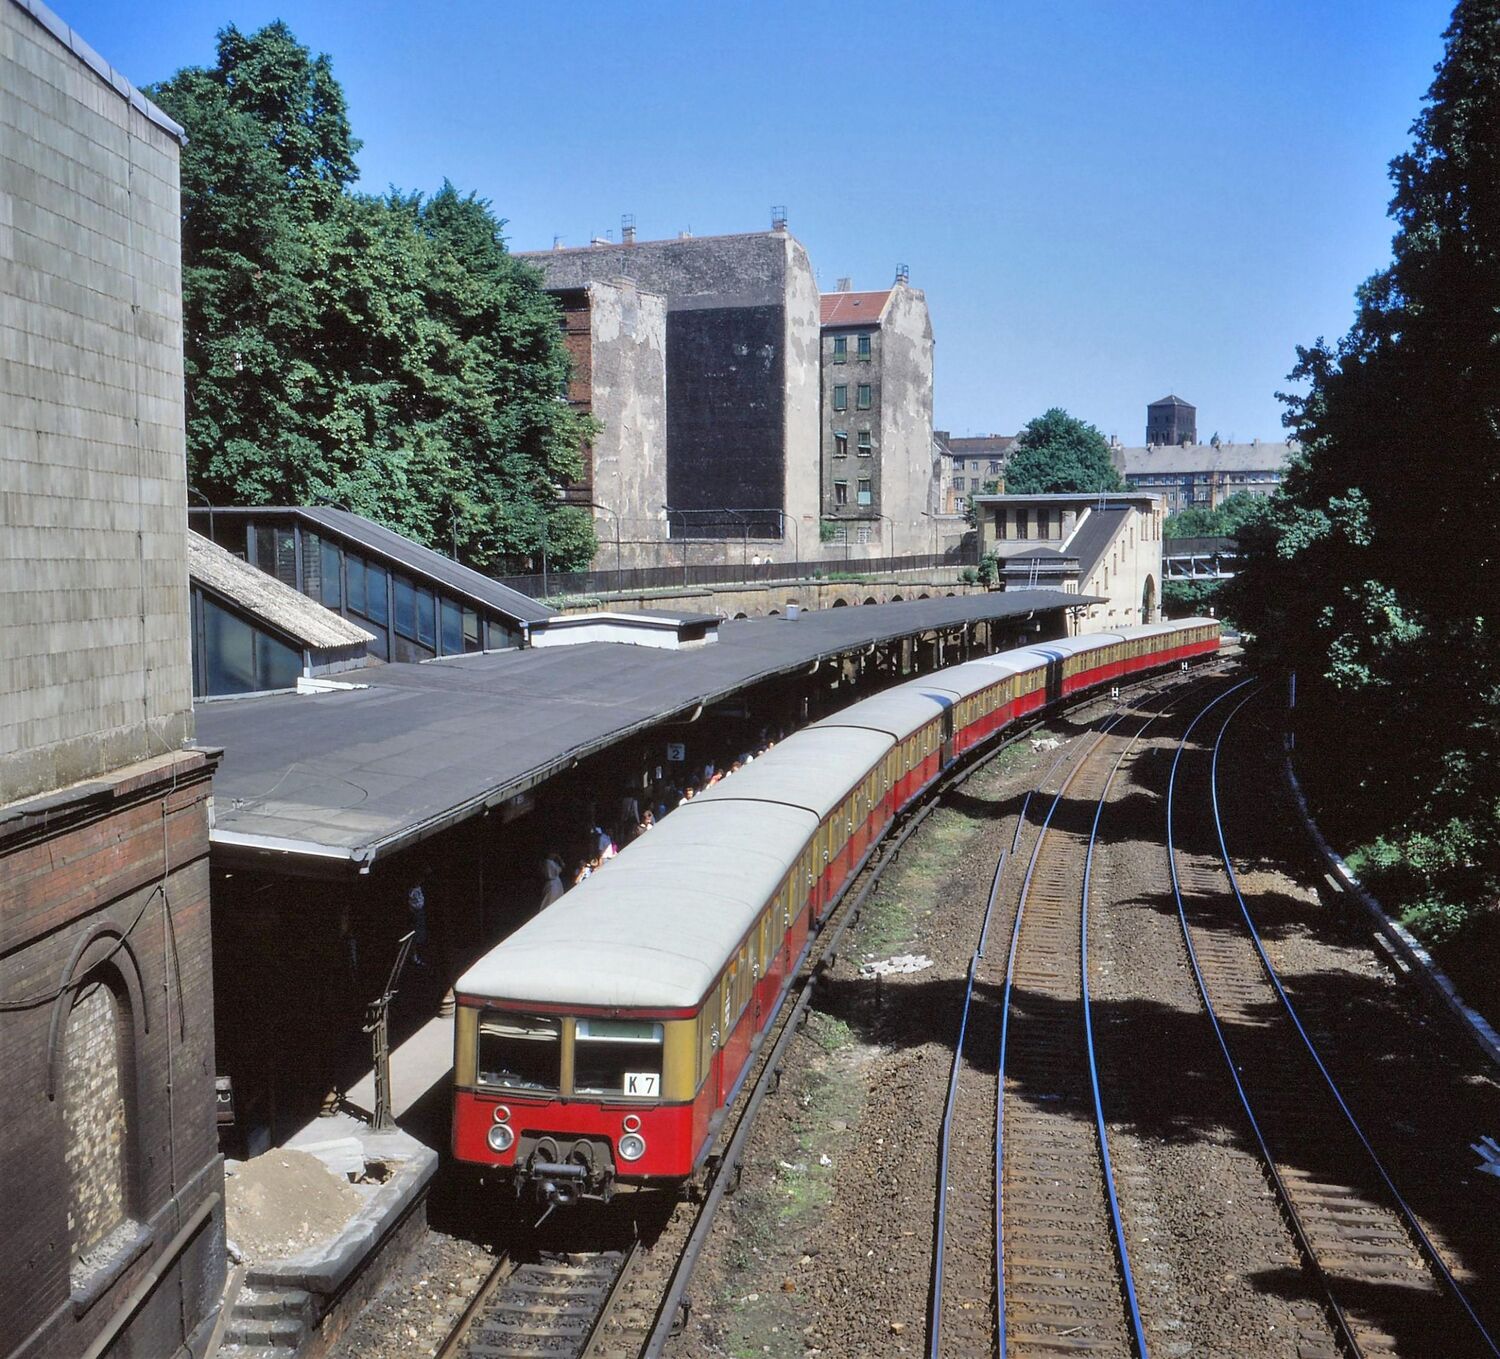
point(687, 575)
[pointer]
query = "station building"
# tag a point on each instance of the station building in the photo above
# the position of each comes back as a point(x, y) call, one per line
point(1107, 547)
point(1203, 476)
point(110, 1175)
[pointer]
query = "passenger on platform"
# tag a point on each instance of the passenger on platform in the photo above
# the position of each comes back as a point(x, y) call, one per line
point(416, 907)
point(647, 822)
point(584, 870)
point(552, 869)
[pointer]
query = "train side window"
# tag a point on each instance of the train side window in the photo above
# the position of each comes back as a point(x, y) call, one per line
point(617, 1057)
point(519, 1052)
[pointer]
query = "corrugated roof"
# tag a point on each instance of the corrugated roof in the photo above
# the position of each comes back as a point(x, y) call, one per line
point(413, 557)
point(264, 597)
point(852, 309)
point(1185, 459)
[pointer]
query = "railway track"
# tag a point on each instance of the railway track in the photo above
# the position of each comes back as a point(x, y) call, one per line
point(1025, 1068)
point(1386, 1286)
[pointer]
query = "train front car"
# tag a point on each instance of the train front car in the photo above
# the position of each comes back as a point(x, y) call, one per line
point(592, 1047)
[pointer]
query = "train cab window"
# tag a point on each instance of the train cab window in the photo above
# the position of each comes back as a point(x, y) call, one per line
point(519, 1052)
point(617, 1057)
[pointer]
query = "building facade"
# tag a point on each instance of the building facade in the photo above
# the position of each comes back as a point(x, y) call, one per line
point(741, 398)
point(876, 360)
point(617, 336)
point(975, 466)
point(109, 1167)
point(1203, 476)
point(1171, 421)
point(1109, 547)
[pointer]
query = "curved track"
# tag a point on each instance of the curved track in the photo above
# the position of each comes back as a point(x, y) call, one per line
point(1387, 1287)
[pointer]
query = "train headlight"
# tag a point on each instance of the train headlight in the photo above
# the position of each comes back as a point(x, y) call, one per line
point(632, 1147)
point(500, 1137)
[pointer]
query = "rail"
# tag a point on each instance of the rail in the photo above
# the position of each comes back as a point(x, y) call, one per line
point(1344, 1327)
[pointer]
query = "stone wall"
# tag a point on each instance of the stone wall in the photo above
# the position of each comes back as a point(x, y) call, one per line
point(94, 660)
point(906, 461)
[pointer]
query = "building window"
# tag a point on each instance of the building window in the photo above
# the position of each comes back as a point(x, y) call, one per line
point(841, 493)
point(974, 465)
point(994, 467)
point(426, 618)
point(864, 443)
point(453, 629)
point(864, 349)
point(333, 594)
point(840, 349)
point(864, 491)
point(862, 397)
point(862, 534)
point(841, 443)
point(958, 484)
point(960, 504)
point(841, 398)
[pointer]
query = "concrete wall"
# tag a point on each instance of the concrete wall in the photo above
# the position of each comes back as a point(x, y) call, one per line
point(906, 418)
point(94, 660)
point(628, 359)
point(801, 494)
point(750, 600)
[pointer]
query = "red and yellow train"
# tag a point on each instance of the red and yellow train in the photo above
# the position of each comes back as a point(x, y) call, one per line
point(602, 1041)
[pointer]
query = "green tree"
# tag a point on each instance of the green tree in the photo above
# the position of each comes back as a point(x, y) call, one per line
point(1353, 579)
point(1225, 521)
point(1058, 452)
point(383, 353)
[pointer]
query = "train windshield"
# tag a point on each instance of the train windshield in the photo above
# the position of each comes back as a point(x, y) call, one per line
point(617, 1057)
point(519, 1052)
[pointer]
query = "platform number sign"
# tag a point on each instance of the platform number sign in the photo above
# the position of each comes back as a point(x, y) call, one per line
point(676, 752)
point(642, 1083)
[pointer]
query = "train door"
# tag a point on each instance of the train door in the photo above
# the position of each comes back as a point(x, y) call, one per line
point(947, 738)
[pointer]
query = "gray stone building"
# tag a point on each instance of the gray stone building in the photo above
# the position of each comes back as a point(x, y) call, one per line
point(742, 328)
point(1171, 421)
point(109, 1168)
point(1203, 476)
point(975, 465)
point(876, 360)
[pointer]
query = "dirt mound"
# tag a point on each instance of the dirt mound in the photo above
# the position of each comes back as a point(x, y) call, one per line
point(284, 1202)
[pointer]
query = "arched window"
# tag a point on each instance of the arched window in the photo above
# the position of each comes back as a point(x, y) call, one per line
point(95, 1104)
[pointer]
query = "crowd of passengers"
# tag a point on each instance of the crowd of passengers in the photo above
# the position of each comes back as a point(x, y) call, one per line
point(635, 815)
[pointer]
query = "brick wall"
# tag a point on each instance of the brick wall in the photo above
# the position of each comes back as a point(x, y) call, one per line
point(99, 1166)
point(94, 659)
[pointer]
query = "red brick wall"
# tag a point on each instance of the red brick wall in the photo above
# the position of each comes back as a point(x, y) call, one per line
point(577, 320)
point(128, 851)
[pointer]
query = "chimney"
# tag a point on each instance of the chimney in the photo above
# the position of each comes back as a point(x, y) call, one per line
point(627, 228)
point(842, 286)
point(778, 217)
point(685, 235)
point(557, 243)
point(606, 239)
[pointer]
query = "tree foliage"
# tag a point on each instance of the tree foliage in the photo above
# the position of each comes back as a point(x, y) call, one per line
point(385, 353)
point(1224, 521)
point(1371, 571)
point(1058, 452)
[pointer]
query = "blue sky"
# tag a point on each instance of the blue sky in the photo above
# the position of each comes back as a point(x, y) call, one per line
point(1105, 200)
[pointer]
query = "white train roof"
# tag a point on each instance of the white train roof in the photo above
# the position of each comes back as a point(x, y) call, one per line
point(813, 769)
point(654, 926)
point(897, 712)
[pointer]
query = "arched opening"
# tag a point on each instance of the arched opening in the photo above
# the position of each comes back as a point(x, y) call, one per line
point(775, 613)
point(840, 603)
point(896, 599)
point(949, 595)
point(1148, 601)
point(742, 615)
point(96, 1075)
point(872, 600)
point(924, 596)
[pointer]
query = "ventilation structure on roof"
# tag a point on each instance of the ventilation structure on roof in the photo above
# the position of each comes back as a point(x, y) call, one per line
point(778, 217)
